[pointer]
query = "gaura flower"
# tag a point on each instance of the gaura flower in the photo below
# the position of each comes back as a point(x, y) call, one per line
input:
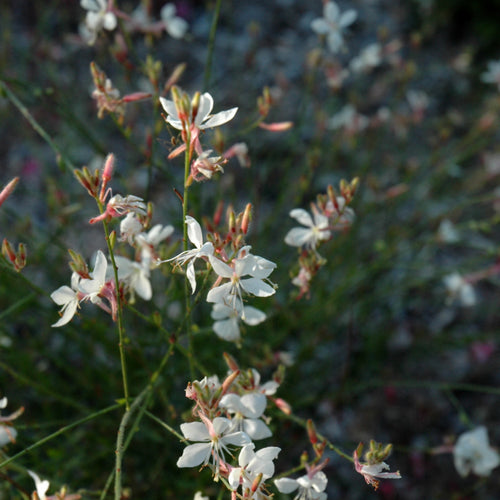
point(7, 433)
point(332, 24)
point(459, 289)
point(136, 277)
point(472, 452)
point(69, 299)
point(253, 464)
point(203, 118)
point(311, 486)
point(213, 439)
point(227, 319)
point(98, 17)
point(201, 250)
point(175, 26)
point(372, 471)
point(316, 230)
point(247, 411)
point(245, 264)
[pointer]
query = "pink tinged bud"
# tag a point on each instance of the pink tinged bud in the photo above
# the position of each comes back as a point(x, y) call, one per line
point(283, 406)
point(177, 151)
point(229, 381)
point(311, 432)
point(247, 215)
point(8, 251)
point(276, 126)
point(136, 96)
point(107, 173)
point(7, 190)
point(174, 77)
point(231, 362)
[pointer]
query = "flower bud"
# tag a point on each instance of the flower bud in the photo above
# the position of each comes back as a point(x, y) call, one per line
point(7, 190)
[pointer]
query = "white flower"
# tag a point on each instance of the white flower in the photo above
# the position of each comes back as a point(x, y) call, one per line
point(203, 119)
point(418, 100)
point(130, 227)
point(311, 487)
point(7, 433)
point(447, 232)
point(199, 496)
point(492, 75)
point(349, 119)
point(245, 264)
point(247, 411)
point(92, 287)
point(227, 318)
point(201, 249)
point(149, 241)
point(135, 275)
point(332, 24)
point(67, 298)
point(176, 26)
point(459, 289)
point(212, 440)
point(41, 486)
point(316, 231)
point(370, 57)
point(251, 465)
point(472, 452)
point(97, 18)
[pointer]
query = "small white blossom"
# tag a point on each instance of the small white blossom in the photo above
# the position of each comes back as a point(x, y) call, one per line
point(130, 227)
point(41, 486)
point(332, 24)
point(311, 486)
point(492, 75)
point(149, 241)
point(212, 440)
point(7, 433)
point(251, 465)
point(203, 119)
point(349, 119)
point(472, 452)
point(459, 289)
point(316, 230)
point(136, 277)
point(98, 17)
point(67, 298)
point(93, 286)
point(370, 57)
point(201, 249)
point(245, 264)
point(247, 411)
point(227, 319)
point(176, 26)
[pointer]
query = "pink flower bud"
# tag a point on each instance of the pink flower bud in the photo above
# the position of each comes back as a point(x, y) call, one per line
point(7, 190)
point(276, 126)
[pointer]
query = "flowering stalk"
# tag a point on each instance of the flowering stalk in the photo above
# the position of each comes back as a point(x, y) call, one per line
point(121, 331)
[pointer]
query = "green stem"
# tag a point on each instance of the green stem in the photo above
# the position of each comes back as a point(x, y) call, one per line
point(121, 330)
point(62, 430)
point(211, 45)
point(24, 111)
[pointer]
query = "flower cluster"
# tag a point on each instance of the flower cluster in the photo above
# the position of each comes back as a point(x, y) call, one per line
point(330, 213)
point(230, 415)
point(192, 116)
point(99, 286)
point(239, 273)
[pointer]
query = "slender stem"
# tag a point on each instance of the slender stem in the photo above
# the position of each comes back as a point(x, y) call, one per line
point(211, 45)
point(187, 164)
point(121, 330)
point(166, 426)
point(62, 430)
point(24, 111)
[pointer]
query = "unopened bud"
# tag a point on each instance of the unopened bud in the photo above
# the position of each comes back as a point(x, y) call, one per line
point(231, 220)
point(229, 380)
point(311, 432)
point(112, 239)
point(195, 104)
point(256, 483)
point(247, 217)
point(174, 77)
point(218, 213)
point(231, 362)
point(283, 406)
point(276, 126)
point(8, 251)
point(7, 190)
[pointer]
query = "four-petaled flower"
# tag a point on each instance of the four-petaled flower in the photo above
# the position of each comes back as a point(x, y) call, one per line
point(245, 264)
point(315, 230)
point(201, 250)
point(311, 486)
point(213, 440)
point(68, 298)
point(253, 464)
point(203, 118)
point(472, 452)
point(332, 23)
point(175, 26)
point(373, 471)
point(97, 18)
